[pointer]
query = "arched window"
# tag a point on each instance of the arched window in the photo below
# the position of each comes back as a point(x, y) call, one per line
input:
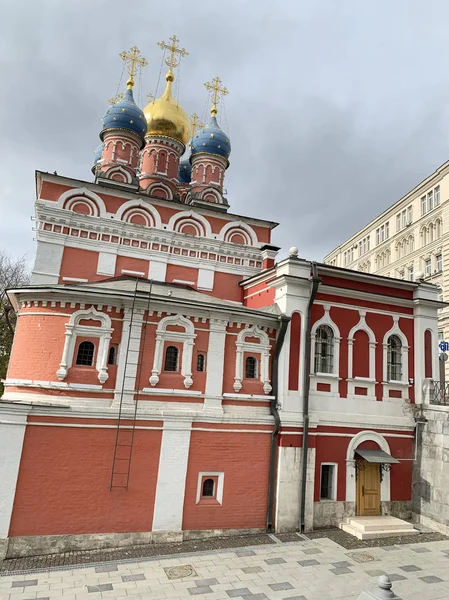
point(200, 362)
point(171, 359)
point(394, 359)
point(251, 367)
point(324, 349)
point(85, 355)
point(112, 356)
point(208, 488)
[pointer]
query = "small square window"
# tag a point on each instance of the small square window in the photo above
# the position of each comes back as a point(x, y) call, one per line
point(328, 486)
point(210, 488)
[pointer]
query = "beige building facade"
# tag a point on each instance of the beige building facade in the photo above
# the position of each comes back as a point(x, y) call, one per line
point(409, 240)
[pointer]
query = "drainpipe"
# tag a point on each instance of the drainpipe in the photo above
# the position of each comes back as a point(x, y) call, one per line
point(306, 386)
point(277, 420)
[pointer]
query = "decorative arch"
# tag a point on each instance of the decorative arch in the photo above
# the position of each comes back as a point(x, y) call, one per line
point(75, 328)
point(326, 320)
point(187, 337)
point(261, 347)
point(223, 235)
point(160, 190)
point(136, 207)
point(118, 173)
point(192, 218)
point(362, 326)
point(395, 330)
point(211, 195)
point(83, 195)
point(356, 441)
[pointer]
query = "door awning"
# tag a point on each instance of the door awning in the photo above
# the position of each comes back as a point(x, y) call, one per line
point(377, 456)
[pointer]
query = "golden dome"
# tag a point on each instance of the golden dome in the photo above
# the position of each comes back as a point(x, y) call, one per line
point(165, 117)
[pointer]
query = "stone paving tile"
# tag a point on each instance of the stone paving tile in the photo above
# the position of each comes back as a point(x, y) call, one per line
point(277, 587)
point(274, 561)
point(106, 568)
point(410, 568)
point(312, 551)
point(341, 564)
point(201, 582)
point(396, 577)
point(201, 589)
point(430, 579)
point(421, 549)
point(341, 570)
point(237, 593)
point(310, 562)
point(375, 572)
point(137, 577)
point(252, 570)
point(101, 587)
point(24, 583)
point(245, 552)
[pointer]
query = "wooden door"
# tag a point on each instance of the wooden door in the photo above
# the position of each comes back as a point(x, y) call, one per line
point(368, 490)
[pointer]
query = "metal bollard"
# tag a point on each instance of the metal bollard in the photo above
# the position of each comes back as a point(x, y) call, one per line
point(383, 591)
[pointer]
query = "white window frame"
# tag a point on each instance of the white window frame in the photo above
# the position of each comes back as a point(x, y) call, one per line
point(187, 338)
point(73, 330)
point(428, 266)
point(334, 481)
point(437, 196)
point(220, 485)
point(439, 259)
point(262, 348)
point(404, 382)
point(333, 377)
point(423, 205)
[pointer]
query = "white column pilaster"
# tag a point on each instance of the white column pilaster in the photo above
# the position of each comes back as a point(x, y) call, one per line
point(215, 364)
point(129, 357)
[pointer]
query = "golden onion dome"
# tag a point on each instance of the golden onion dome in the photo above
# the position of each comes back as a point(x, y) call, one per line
point(165, 117)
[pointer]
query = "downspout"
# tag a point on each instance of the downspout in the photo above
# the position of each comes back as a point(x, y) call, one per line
point(306, 386)
point(277, 420)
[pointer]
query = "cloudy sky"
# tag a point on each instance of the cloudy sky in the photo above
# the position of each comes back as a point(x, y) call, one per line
point(336, 107)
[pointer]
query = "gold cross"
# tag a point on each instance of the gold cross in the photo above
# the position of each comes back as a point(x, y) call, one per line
point(174, 49)
point(215, 87)
point(150, 97)
point(132, 59)
point(116, 99)
point(196, 124)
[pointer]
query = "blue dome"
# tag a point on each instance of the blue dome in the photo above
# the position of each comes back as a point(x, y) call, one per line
point(212, 140)
point(125, 115)
point(185, 171)
point(97, 154)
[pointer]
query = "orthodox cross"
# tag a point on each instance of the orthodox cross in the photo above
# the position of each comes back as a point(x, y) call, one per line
point(216, 88)
point(196, 124)
point(132, 59)
point(150, 97)
point(172, 61)
point(116, 99)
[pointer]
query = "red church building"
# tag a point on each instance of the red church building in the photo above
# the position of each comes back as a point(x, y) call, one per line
point(170, 380)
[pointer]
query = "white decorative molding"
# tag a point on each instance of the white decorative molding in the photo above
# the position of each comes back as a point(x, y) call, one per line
point(370, 381)
point(159, 186)
point(263, 348)
point(145, 209)
point(331, 378)
point(191, 218)
point(187, 338)
point(74, 329)
point(395, 330)
point(359, 438)
point(220, 484)
point(82, 194)
point(124, 174)
point(241, 227)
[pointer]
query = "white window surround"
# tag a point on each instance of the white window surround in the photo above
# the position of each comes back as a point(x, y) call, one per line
point(334, 481)
point(333, 377)
point(369, 381)
point(73, 329)
point(187, 338)
point(263, 348)
point(220, 484)
point(355, 442)
point(395, 330)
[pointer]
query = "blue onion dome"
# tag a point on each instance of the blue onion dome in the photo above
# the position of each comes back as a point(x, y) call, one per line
point(97, 156)
point(185, 171)
point(211, 140)
point(125, 115)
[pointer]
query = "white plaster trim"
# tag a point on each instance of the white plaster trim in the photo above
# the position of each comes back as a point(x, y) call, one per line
point(355, 442)
point(334, 481)
point(395, 330)
point(220, 484)
point(181, 217)
point(182, 281)
point(239, 225)
point(133, 273)
point(146, 208)
point(75, 279)
point(74, 329)
point(83, 194)
point(187, 339)
point(263, 348)
point(169, 392)
point(326, 320)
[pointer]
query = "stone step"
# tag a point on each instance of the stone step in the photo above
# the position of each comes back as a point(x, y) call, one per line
point(357, 530)
point(378, 524)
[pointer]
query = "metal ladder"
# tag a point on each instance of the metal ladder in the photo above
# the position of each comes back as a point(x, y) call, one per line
point(126, 425)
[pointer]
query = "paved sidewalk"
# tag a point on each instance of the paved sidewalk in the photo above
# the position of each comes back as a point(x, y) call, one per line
point(306, 570)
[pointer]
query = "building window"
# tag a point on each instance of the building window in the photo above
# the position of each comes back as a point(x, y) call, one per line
point(328, 485)
point(201, 362)
point(382, 233)
point(251, 367)
point(437, 195)
point(411, 274)
point(409, 215)
point(428, 266)
point(430, 200)
point(441, 336)
point(324, 349)
point(112, 356)
point(208, 490)
point(171, 359)
point(85, 355)
point(439, 258)
point(394, 358)
point(423, 205)
point(402, 274)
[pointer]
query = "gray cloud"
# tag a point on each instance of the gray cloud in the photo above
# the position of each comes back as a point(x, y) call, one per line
point(336, 108)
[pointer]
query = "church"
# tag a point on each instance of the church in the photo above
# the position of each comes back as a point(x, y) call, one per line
point(171, 379)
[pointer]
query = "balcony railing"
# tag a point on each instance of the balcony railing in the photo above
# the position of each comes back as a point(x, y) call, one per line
point(439, 393)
